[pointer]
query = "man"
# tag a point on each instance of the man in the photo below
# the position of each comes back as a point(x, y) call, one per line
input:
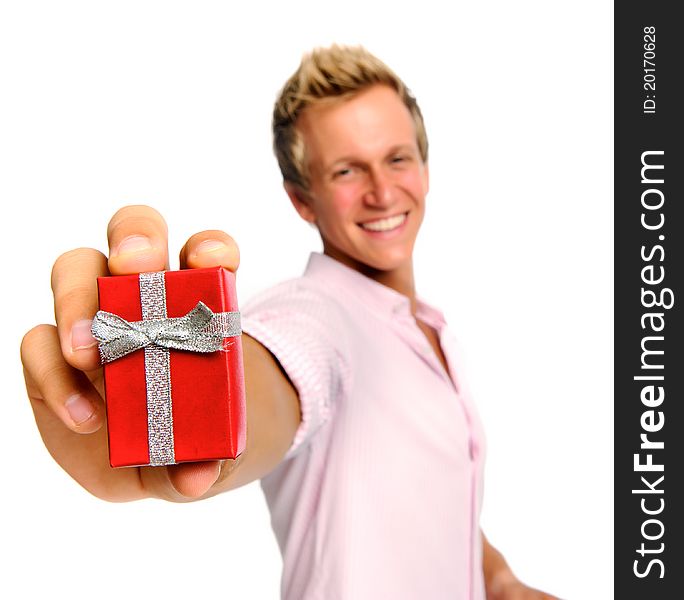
point(360, 426)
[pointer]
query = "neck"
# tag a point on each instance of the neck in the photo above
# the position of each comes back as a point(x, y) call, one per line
point(399, 279)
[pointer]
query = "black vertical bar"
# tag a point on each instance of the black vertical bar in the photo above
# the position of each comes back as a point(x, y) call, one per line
point(649, 338)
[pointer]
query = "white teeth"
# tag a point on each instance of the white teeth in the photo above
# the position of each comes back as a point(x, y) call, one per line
point(385, 224)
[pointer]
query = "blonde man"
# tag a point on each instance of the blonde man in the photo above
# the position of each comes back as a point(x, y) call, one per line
point(361, 429)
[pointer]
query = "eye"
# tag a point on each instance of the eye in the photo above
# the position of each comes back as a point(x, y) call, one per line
point(399, 159)
point(344, 173)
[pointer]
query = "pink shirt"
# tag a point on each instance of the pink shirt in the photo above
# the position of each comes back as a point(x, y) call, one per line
point(379, 495)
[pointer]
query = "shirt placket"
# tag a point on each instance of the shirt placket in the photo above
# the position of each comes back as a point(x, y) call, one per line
point(409, 331)
point(475, 465)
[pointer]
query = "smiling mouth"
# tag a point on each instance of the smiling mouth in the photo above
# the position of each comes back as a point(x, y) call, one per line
point(385, 224)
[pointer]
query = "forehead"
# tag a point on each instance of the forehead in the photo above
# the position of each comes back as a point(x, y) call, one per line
point(362, 127)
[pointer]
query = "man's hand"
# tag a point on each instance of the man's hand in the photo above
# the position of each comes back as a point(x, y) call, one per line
point(500, 582)
point(64, 378)
point(514, 589)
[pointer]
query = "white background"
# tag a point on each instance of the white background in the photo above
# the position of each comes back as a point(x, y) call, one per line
point(169, 103)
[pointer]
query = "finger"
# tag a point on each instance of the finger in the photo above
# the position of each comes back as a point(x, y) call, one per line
point(192, 480)
point(52, 386)
point(211, 248)
point(74, 286)
point(138, 241)
point(65, 390)
point(182, 482)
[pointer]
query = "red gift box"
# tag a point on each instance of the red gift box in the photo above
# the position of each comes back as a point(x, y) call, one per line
point(168, 405)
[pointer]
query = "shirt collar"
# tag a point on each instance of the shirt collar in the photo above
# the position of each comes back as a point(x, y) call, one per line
point(376, 296)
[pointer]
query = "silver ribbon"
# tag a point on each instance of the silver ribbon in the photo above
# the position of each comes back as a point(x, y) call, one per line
point(201, 330)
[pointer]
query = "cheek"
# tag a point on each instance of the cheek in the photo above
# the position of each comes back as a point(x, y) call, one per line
point(415, 184)
point(343, 204)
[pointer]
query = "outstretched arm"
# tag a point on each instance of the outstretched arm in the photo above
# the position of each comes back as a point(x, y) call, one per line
point(64, 379)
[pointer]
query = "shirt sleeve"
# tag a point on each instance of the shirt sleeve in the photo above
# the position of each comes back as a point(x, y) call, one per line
point(298, 325)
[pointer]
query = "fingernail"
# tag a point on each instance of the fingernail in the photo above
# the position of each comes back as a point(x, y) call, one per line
point(210, 246)
point(79, 408)
point(133, 244)
point(81, 336)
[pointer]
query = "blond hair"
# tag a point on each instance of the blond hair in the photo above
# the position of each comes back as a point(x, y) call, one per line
point(324, 75)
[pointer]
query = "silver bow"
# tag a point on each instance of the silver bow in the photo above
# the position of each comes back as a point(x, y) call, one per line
point(201, 330)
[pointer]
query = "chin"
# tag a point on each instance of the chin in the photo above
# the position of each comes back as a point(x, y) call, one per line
point(361, 257)
point(389, 262)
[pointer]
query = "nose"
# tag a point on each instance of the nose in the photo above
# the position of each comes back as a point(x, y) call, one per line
point(381, 192)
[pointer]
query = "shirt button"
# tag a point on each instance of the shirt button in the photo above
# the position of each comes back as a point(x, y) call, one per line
point(397, 308)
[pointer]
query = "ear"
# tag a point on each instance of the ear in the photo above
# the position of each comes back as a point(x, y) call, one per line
point(426, 178)
point(301, 201)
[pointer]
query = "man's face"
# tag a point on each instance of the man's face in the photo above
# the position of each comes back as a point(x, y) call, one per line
point(368, 181)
